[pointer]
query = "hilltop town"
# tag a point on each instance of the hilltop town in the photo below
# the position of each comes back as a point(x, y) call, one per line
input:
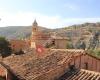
point(46, 56)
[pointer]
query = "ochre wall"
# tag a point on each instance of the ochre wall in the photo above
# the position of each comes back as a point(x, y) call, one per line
point(92, 62)
point(60, 43)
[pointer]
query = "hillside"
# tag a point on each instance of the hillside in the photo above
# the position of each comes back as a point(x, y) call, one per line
point(80, 32)
point(17, 32)
point(74, 32)
point(79, 29)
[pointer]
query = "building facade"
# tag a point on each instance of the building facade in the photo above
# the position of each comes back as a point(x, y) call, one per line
point(38, 37)
point(41, 38)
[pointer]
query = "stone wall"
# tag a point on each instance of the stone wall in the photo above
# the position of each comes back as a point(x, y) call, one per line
point(60, 43)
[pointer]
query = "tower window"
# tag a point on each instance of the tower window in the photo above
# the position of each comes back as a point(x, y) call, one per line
point(53, 42)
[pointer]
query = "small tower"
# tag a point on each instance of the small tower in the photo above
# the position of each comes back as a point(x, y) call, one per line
point(35, 23)
point(35, 26)
point(34, 34)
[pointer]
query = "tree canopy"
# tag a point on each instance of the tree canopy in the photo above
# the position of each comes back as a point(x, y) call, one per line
point(69, 45)
point(5, 49)
point(94, 41)
point(80, 45)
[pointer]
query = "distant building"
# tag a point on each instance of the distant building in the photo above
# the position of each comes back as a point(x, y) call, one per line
point(38, 37)
point(17, 45)
point(41, 38)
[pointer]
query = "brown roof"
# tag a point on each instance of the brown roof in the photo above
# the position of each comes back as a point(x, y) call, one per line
point(29, 66)
point(81, 75)
point(3, 70)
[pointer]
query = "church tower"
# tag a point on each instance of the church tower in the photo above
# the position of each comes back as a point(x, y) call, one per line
point(34, 34)
point(34, 27)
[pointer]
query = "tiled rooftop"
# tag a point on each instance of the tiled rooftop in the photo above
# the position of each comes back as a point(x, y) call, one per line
point(28, 66)
point(80, 75)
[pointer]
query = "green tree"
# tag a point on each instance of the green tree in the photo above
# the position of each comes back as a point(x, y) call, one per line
point(83, 45)
point(80, 45)
point(94, 41)
point(69, 45)
point(5, 49)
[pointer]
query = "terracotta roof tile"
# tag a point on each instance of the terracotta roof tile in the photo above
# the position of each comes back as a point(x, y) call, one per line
point(29, 66)
point(80, 75)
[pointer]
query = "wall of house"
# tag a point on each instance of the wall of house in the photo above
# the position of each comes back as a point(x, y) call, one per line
point(19, 44)
point(41, 42)
point(60, 43)
point(93, 63)
point(87, 62)
point(39, 39)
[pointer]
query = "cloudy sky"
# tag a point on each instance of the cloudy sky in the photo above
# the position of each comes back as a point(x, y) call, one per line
point(48, 13)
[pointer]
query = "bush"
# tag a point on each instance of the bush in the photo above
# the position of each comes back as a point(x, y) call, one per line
point(80, 45)
point(69, 45)
point(5, 49)
point(95, 53)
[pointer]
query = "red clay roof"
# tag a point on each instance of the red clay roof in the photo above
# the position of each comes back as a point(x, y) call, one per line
point(29, 66)
point(81, 75)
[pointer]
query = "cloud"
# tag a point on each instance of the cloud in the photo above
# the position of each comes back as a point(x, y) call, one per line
point(72, 7)
point(26, 18)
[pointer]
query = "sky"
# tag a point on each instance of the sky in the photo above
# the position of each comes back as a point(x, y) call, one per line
point(48, 13)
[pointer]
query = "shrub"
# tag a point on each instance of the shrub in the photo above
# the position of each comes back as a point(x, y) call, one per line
point(5, 49)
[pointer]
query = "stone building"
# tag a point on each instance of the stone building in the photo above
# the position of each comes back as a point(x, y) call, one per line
point(60, 42)
point(19, 45)
point(41, 38)
point(38, 37)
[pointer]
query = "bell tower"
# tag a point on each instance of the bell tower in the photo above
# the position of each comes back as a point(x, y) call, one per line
point(34, 27)
point(34, 34)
